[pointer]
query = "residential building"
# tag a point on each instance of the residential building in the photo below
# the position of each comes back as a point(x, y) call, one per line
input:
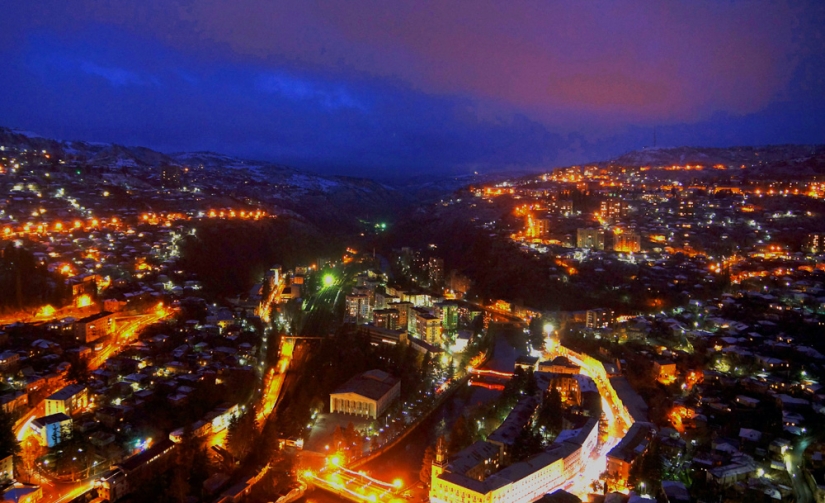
point(427, 326)
point(405, 317)
point(385, 318)
point(436, 271)
point(51, 430)
point(94, 327)
point(592, 239)
point(621, 458)
point(8, 360)
point(627, 242)
point(68, 400)
point(599, 318)
point(613, 209)
point(14, 401)
point(537, 228)
point(447, 312)
point(815, 242)
point(7, 469)
point(171, 176)
point(358, 307)
point(127, 476)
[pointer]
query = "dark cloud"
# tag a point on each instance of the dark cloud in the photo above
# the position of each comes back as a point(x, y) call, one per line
point(386, 87)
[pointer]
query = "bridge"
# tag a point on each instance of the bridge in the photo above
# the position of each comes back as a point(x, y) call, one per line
point(356, 486)
point(490, 373)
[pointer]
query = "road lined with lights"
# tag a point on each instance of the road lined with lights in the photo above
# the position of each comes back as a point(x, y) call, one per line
point(274, 380)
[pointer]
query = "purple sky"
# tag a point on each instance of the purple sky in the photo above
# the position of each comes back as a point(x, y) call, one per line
point(401, 87)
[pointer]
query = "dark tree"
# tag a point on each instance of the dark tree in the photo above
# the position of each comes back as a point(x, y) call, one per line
point(550, 414)
point(241, 434)
point(648, 469)
point(527, 444)
point(537, 333)
point(460, 436)
point(426, 473)
point(78, 369)
point(8, 441)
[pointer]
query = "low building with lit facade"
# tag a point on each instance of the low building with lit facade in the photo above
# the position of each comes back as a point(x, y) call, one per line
point(13, 402)
point(8, 360)
point(7, 469)
point(559, 365)
point(51, 430)
point(383, 336)
point(22, 493)
point(522, 482)
point(621, 458)
point(68, 400)
point(128, 475)
point(665, 371)
point(575, 389)
point(526, 363)
point(368, 394)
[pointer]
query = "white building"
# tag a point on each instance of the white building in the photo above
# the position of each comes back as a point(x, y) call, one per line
point(368, 394)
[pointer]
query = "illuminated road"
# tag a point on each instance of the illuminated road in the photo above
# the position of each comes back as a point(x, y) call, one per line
point(274, 380)
point(617, 425)
point(126, 331)
point(793, 463)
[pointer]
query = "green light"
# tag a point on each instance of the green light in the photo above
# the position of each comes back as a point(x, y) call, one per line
point(328, 280)
point(383, 226)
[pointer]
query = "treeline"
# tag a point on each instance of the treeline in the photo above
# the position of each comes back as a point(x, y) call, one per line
point(231, 256)
point(26, 283)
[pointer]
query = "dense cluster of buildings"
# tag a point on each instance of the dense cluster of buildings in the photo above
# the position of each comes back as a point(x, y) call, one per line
point(423, 318)
point(106, 242)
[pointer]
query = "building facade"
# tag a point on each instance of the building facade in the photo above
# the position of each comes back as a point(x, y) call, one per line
point(94, 327)
point(368, 394)
point(51, 430)
point(627, 242)
point(591, 239)
point(68, 400)
point(427, 326)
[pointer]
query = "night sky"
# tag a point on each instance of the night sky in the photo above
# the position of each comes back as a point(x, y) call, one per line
point(390, 88)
